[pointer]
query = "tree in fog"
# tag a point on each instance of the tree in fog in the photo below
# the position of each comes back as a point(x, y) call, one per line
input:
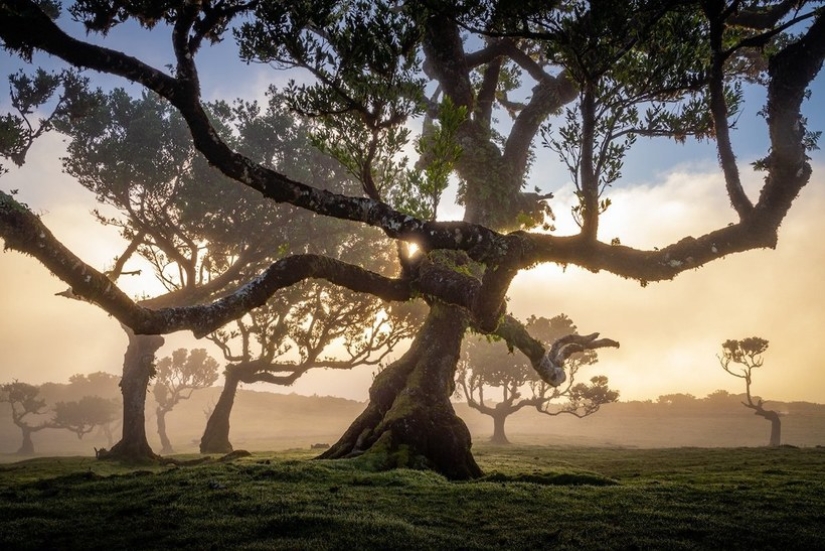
point(490, 365)
point(677, 400)
point(176, 378)
point(103, 385)
point(83, 416)
point(740, 358)
point(98, 383)
point(28, 411)
point(614, 73)
point(293, 333)
point(168, 199)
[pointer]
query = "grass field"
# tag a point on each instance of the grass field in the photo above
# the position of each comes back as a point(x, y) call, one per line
point(531, 498)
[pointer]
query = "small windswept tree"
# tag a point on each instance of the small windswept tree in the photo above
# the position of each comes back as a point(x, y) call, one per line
point(178, 376)
point(100, 385)
point(26, 408)
point(747, 354)
point(492, 365)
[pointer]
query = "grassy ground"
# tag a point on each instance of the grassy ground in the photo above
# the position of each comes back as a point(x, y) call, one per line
point(532, 498)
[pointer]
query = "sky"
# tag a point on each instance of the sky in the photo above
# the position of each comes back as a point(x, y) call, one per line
point(670, 332)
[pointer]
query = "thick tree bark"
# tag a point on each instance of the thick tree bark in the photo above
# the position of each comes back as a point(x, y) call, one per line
point(410, 421)
point(216, 435)
point(138, 368)
point(166, 445)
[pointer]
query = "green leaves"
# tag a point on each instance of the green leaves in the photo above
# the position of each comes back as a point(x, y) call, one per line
point(419, 193)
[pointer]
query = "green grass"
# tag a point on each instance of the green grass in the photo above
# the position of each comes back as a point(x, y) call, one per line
point(532, 498)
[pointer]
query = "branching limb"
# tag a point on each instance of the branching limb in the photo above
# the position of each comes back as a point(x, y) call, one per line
point(24, 232)
point(719, 112)
point(549, 364)
point(763, 18)
point(23, 25)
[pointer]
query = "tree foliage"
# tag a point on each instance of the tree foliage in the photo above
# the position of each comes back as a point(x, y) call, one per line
point(24, 401)
point(31, 414)
point(176, 378)
point(85, 415)
point(180, 374)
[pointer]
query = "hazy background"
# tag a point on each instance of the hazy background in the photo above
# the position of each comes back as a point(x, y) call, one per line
point(264, 421)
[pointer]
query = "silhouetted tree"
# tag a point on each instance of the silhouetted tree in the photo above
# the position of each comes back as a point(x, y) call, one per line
point(491, 365)
point(625, 70)
point(83, 416)
point(98, 383)
point(176, 378)
point(746, 354)
point(27, 411)
point(677, 399)
point(104, 385)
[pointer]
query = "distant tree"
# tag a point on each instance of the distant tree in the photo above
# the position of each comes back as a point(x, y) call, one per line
point(98, 383)
point(26, 406)
point(719, 399)
point(177, 377)
point(305, 323)
point(719, 395)
point(83, 416)
point(104, 385)
point(677, 399)
point(747, 354)
point(487, 364)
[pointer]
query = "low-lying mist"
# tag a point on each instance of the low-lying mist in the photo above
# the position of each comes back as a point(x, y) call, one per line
point(268, 421)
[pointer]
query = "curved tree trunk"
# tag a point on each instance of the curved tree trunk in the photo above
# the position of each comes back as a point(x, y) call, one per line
point(166, 445)
point(410, 421)
point(138, 368)
point(216, 435)
point(776, 427)
point(499, 417)
point(27, 447)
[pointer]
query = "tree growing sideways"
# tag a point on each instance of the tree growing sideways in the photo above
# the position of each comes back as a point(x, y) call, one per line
point(746, 355)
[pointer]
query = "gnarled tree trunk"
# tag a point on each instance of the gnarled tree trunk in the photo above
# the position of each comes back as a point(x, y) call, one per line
point(166, 445)
point(216, 435)
point(138, 368)
point(410, 421)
